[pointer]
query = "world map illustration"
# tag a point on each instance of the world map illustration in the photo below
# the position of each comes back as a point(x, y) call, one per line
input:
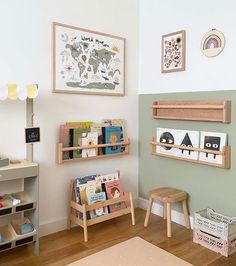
point(88, 61)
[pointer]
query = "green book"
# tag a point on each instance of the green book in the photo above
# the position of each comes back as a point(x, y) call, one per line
point(77, 139)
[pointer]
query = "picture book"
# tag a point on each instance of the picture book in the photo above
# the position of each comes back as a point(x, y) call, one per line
point(167, 136)
point(184, 138)
point(77, 140)
point(114, 189)
point(95, 198)
point(188, 139)
point(79, 181)
point(97, 127)
point(93, 187)
point(112, 136)
point(89, 139)
point(109, 177)
point(119, 123)
point(64, 138)
point(212, 141)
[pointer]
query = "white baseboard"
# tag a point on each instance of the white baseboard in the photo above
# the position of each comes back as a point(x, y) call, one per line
point(53, 227)
point(157, 209)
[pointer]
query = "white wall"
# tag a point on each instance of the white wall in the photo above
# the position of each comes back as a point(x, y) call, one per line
point(25, 52)
point(158, 17)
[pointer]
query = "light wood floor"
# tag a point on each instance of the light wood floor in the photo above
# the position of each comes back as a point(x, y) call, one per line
point(67, 246)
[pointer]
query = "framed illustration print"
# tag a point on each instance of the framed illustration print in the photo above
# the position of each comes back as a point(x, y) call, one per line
point(173, 52)
point(87, 62)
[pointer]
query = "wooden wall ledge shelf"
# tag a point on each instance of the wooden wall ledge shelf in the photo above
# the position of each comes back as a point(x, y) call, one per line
point(196, 110)
point(226, 153)
point(84, 208)
point(60, 149)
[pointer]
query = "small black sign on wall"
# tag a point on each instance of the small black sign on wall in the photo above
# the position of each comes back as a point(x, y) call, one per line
point(32, 134)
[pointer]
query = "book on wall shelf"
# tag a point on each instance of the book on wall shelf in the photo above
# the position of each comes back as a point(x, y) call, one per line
point(89, 139)
point(112, 135)
point(101, 136)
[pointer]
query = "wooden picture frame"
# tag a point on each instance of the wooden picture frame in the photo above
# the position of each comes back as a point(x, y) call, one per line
point(87, 62)
point(173, 52)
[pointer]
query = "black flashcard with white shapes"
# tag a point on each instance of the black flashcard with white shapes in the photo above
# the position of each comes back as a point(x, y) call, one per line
point(167, 136)
point(212, 141)
point(188, 139)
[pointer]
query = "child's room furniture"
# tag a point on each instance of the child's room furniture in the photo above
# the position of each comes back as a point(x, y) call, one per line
point(24, 211)
point(195, 110)
point(168, 196)
point(81, 220)
point(215, 231)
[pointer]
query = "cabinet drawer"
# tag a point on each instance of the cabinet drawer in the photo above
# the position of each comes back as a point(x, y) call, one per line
point(19, 172)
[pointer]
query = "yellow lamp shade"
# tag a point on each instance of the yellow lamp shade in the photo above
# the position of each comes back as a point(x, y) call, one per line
point(32, 91)
point(12, 91)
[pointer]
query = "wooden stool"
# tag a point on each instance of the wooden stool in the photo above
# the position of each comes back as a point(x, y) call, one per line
point(168, 196)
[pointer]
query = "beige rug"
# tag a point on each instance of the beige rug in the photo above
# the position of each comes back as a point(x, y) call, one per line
point(133, 252)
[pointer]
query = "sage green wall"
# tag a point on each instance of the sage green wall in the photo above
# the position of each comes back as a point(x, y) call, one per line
point(207, 186)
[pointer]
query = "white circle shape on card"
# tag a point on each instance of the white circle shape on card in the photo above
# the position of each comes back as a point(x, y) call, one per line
point(22, 92)
point(213, 43)
point(3, 92)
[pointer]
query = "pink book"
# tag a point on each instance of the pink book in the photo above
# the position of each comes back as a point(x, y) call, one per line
point(114, 189)
point(64, 137)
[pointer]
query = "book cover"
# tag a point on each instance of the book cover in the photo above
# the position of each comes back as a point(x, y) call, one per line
point(212, 141)
point(114, 189)
point(109, 177)
point(94, 198)
point(80, 181)
point(77, 140)
point(64, 137)
point(93, 187)
point(112, 136)
point(188, 139)
point(97, 127)
point(119, 123)
point(167, 136)
point(89, 139)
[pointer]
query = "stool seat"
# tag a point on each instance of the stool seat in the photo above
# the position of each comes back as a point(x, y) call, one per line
point(168, 196)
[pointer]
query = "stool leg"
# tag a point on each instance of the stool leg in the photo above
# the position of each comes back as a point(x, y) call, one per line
point(164, 210)
point(186, 214)
point(168, 207)
point(149, 208)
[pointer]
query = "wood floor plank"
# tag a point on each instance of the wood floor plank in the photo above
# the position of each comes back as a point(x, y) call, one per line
point(65, 247)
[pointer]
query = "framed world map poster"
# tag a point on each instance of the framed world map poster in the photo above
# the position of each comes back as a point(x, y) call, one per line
point(87, 62)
